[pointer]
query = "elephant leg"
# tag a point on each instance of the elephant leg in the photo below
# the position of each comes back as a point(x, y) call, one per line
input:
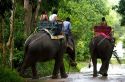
point(25, 65)
point(94, 61)
point(104, 67)
point(56, 68)
point(34, 71)
point(62, 71)
point(22, 71)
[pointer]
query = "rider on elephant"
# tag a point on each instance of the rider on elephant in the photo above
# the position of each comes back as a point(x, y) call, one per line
point(52, 25)
point(67, 31)
point(67, 27)
point(104, 29)
point(54, 16)
point(44, 16)
point(43, 20)
point(103, 22)
point(56, 22)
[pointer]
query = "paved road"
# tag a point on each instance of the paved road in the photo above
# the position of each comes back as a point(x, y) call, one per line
point(116, 74)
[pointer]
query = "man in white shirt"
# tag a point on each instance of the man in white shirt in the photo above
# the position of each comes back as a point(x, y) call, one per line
point(53, 17)
point(53, 20)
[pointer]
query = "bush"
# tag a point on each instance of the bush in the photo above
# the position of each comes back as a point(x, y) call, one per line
point(18, 58)
point(82, 51)
point(8, 75)
point(124, 43)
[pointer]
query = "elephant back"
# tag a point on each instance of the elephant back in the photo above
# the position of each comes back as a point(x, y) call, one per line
point(100, 44)
point(41, 42)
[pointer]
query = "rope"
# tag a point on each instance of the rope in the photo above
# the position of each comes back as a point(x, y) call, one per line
point(103, 39)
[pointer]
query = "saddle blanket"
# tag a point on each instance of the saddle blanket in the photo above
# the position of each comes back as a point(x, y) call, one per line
point(54, 37)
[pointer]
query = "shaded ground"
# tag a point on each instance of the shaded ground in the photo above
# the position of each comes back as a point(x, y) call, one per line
point(116, 74)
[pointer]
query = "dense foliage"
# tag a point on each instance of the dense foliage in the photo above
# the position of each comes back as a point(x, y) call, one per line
point(121, 10)
point(5, 5)
point(84, 15)
point(8, 75)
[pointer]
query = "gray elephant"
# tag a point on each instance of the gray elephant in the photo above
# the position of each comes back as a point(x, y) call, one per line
point(39, 47)
point(102, 48)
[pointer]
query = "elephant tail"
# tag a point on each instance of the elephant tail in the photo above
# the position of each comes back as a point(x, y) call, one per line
point(26, 49)
point(90, 64)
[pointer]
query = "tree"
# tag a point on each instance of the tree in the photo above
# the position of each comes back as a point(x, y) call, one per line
point(31, 10)
point(27, 17)
point(35, 12)
point(5, 6)
point(121, 10)
point(84, 15)
point(10, 43)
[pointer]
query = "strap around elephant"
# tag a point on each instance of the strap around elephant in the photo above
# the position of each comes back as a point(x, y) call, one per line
point(52, 36)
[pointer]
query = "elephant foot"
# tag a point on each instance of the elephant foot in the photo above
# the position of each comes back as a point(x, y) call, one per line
point(55, 76)
point(64, 75)
point(95, 75)
point(103, 74)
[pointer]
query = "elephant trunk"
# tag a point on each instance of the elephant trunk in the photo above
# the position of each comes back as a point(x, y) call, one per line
point(73, 63)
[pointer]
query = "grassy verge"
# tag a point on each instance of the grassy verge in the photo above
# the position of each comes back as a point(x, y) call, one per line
point(46, 68)
point(8, 75)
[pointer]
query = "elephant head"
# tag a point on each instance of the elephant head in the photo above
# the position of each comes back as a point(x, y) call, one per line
point(71, 50)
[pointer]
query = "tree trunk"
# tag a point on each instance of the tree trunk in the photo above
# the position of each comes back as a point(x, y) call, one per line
point(0, 34)
point(35, 15)
point(10, 43)
point(37, 9)
point(3, 44)
point(27, 17)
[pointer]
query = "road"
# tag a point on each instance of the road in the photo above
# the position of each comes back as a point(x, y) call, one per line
point(116, 74)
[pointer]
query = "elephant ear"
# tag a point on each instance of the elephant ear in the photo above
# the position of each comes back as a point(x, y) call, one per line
point(70, 42)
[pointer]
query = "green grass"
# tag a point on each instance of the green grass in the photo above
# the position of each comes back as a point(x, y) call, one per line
point(8, 75)
point(81, 64)
point(114, 61)
point(46, 68)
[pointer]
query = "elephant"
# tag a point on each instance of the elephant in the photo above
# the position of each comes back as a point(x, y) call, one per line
point(102, 48)
point(39, 47)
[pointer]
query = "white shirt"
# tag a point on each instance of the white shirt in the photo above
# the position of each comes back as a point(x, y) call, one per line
point(52, 17)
